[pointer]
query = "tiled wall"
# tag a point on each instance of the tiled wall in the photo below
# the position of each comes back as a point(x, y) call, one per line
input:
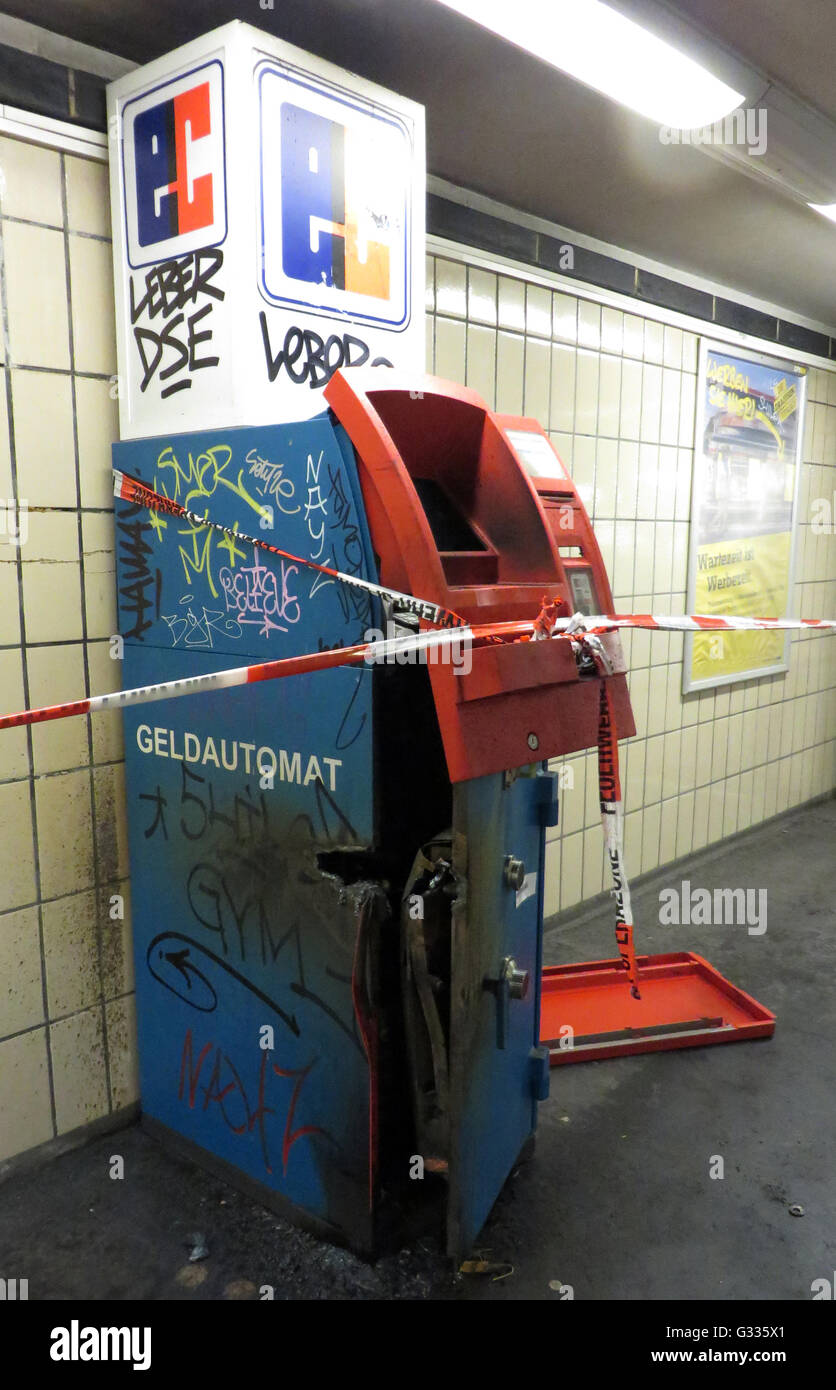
point(616, 392)
point(66, 1007)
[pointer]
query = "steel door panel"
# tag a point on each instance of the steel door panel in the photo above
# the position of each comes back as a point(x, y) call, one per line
point(492, 1092)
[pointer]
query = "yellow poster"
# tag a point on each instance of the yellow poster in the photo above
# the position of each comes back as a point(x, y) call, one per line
point(749, 578)
point(746, 464)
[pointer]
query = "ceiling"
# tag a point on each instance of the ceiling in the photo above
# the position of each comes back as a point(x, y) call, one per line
point(504, 124)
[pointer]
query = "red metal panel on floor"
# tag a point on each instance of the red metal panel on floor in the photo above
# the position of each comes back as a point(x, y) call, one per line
point(685, 1003)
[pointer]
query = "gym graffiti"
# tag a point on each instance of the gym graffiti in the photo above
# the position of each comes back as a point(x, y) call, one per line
point(234, 911)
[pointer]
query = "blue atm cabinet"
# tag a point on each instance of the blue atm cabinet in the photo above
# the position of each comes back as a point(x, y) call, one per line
point(252, 1047)
point(329, 957)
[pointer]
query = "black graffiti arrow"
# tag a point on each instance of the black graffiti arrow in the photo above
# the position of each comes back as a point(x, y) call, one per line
point(180, 961)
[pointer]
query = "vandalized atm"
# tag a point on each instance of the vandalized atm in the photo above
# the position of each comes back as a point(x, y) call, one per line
point(338, 878)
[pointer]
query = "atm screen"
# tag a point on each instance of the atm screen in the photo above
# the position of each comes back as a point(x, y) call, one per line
point(536, 454)
point(584, 596)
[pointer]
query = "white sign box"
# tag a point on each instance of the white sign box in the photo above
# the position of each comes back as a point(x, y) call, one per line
point(268, 228)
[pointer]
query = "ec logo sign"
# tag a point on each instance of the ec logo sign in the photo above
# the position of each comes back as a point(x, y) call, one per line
point(324, 239)
point(335, 179)
point(173, 156)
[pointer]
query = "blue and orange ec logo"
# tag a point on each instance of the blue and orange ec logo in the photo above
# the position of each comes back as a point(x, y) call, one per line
point(336, 185)
point(174, 167)
point(322, 213)
point(168, 202)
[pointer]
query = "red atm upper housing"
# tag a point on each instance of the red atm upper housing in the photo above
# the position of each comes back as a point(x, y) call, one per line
point(475, 511)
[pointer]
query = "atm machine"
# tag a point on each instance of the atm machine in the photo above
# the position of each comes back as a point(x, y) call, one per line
point(337, 878)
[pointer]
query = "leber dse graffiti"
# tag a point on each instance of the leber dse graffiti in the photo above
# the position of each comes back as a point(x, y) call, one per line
point(171, 308)
point(232, 797)
point(171, 319)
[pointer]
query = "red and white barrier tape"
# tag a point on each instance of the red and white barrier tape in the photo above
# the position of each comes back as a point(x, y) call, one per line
point(691, 622)
point(245, 675)
point(577, 630)
point(612, 821)
point(132, 490)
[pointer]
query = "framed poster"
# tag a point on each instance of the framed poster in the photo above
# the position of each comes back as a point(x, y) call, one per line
point(744, 502)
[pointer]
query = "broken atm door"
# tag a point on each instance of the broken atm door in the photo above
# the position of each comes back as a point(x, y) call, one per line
point(473, 916)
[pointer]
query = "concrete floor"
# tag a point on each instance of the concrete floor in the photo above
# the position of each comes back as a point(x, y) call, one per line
point(617, 1200)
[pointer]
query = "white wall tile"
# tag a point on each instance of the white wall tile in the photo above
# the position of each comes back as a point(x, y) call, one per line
point(609, 395)
point(450, 339)
point(612, 330)
point(481, 296)
point(654, 337)
point(30, 182)
point(563, 369)
point(65, 833)
point(21, 988)
point(429, 284)
point(450, 288)
point(511, 301)
point(79, 1069)
point(91, 279)
point(586, 392)
point(510, 368)
point(88, 196)
point(565, 318)
point(606, 479)
point(481, 361)
point(669, 420)
point(651, 410)
point(36, 293)
point(97, 414)
point(537, 380)
point(71, 953)
point(631, 399)
point(589, 324)
point(121, 1042)
point(56, 674)
point(17, 880)
point(15, 750)
point(538, 311)
point(633, 336)
point(24, 1093)
point(44, 441)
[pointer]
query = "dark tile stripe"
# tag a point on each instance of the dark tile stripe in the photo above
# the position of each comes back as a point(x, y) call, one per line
point(37, 84)
point(672, 294)
point(470, 227)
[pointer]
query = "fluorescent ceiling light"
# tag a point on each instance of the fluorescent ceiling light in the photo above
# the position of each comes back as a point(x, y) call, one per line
point(609, 52)
point(826, 209)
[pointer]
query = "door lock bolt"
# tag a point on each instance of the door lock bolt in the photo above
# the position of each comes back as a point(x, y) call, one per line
point(514, 872)
point(516, 979)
